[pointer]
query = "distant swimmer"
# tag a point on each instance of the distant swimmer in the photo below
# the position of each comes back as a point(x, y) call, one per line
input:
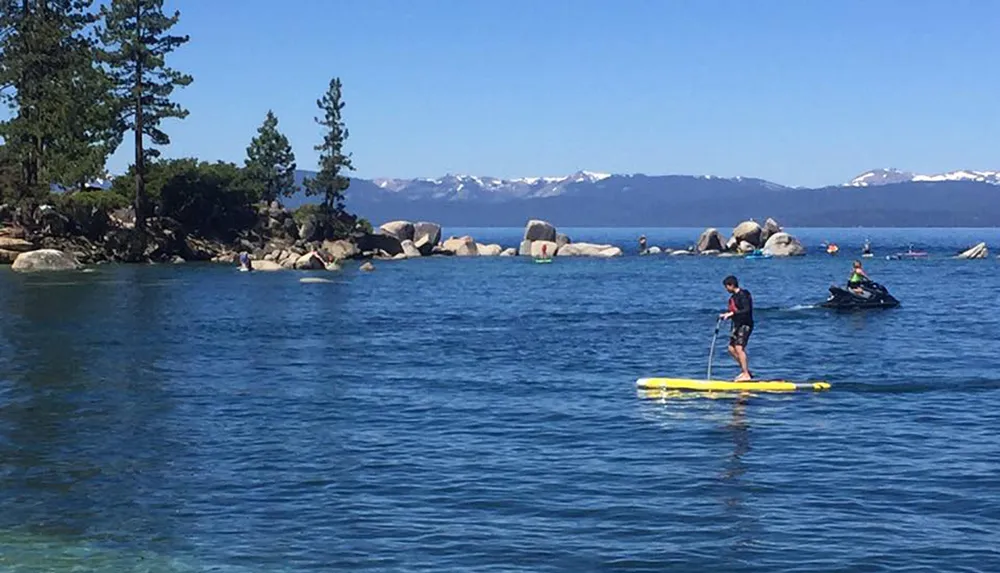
point(741, 313)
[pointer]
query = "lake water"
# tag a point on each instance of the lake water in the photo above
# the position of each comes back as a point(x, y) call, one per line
point(481, 415)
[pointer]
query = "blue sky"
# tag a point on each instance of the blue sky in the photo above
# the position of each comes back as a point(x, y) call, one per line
point(802, 93)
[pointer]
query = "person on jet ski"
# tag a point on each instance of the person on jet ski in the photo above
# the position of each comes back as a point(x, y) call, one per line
point(858, 278)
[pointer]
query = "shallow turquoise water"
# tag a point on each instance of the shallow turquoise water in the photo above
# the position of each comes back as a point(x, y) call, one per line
point(480, 415)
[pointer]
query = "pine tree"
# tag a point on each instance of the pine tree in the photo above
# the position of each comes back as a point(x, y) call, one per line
point(136, 38)
point(331, 182)
point(270, 163)
point(60, 129)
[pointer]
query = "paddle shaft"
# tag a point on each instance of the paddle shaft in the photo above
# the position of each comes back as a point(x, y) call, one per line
point(711, 350)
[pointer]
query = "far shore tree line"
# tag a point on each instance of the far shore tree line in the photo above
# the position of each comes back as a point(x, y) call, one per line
point(77, 79)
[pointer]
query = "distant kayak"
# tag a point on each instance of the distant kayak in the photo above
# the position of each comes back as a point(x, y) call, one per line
point(758, 254)
point(540, 261)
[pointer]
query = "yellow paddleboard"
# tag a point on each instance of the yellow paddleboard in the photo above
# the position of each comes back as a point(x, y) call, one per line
point(723, 386)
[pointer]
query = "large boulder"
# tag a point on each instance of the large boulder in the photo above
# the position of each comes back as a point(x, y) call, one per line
point(310, 262)
point(562, 240)
point(710, 240)
point(748, 231)
point(771, 228)
point(744, 247)
point(784, 245)
point(409, 250)
point(401, 230)
point(537, 230)
point(340, 250)
point(45, 260)
point(311, 228)
point(461, 246)
point(511, 252)
point(430, 231)
point(610, 252)
point(266, 266)
point(489, 250)
point(977, 252)
point(584, 250)
point(550, 248)
point(16, 245)
point(525, 249)
point(378, 242)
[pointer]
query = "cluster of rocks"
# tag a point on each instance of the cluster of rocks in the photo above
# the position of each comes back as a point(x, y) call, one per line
point(542, 239)
point(407, 240)
point(750, 236)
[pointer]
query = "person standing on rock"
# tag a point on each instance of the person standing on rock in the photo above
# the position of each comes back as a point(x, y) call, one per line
point(741, 313)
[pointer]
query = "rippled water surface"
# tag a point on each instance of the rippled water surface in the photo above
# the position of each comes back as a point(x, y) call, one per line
point(481, 415)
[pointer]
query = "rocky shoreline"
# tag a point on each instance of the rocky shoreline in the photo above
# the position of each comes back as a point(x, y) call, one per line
point(45, 239)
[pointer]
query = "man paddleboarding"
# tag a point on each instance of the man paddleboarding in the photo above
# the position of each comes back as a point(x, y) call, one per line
point(741, 313)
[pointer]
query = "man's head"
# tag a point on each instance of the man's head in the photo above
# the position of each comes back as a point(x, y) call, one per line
point(732, 285)
point(857, 264)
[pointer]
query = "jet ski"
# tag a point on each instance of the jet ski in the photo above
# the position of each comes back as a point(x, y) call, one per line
point(873, 295)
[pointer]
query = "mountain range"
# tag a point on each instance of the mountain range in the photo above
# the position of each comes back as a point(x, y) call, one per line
point(877, 198)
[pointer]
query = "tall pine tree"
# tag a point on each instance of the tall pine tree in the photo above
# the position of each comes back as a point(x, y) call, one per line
point(61, 124)
point(136, 38)
point(331, 182)
point(270, 163)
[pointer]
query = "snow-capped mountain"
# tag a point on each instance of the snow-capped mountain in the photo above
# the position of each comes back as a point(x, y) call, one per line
point(465, 187)
point(469, 187)
point(889, 176)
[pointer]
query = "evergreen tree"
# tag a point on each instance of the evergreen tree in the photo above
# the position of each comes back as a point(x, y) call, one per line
point(331, 181)
point(60, 129)
point(270, 163)
point(136, 38)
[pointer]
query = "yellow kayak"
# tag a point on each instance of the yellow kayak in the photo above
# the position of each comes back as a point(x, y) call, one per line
point(723, 386)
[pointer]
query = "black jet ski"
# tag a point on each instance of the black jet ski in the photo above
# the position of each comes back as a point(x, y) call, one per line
point(872, 295)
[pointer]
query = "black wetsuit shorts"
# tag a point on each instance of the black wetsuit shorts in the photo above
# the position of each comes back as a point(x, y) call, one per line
point(740, 335)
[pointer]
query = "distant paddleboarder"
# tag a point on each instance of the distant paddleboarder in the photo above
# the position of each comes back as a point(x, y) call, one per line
point(741, 313)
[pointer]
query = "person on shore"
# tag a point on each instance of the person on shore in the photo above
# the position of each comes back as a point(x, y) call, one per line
point(741, 313)
point(858, 278)
point(245, 261)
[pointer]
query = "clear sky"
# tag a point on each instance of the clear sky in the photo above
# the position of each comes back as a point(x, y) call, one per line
point(799, 92)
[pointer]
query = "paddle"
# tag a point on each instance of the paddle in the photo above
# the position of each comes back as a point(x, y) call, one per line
point(711, 350)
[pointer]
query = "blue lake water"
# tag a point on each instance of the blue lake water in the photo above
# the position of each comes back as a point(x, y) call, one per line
point(481, 415)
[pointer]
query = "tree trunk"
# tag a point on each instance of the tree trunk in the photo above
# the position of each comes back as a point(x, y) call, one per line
point(140, 156)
